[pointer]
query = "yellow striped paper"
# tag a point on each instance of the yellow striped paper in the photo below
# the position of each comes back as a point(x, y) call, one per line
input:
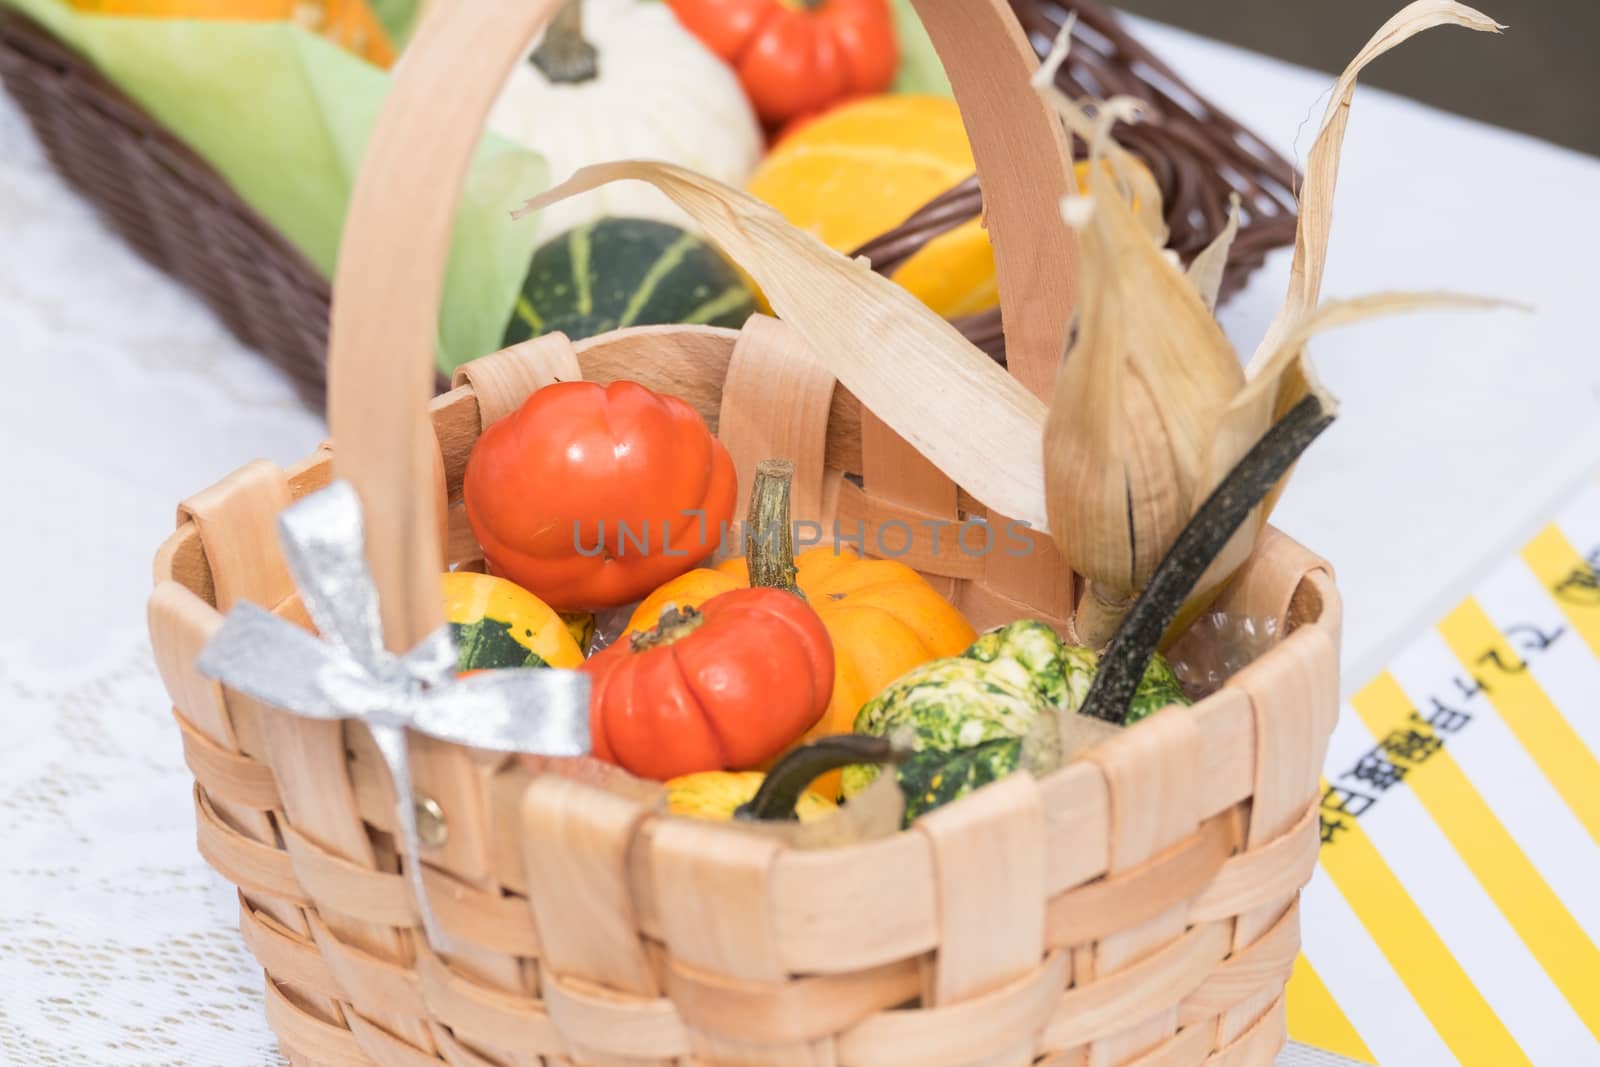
point(1315, 1017)
point(1455, 916)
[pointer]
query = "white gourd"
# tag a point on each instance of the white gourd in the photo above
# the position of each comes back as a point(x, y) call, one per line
point(657, 93)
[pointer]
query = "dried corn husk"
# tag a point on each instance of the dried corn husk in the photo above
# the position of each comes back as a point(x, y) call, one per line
point(1206, 272)
point(1151, 409)
point(1136, 182)
point(1148, 378)
point(1282, 367)
point(1322, 164)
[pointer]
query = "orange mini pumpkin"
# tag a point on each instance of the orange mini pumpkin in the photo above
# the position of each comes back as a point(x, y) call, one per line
point(726, 686)
point(589, 496)
point(881, 615)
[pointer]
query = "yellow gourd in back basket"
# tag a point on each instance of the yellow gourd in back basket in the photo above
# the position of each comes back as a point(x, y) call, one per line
point(859, 170)
point(350, 24)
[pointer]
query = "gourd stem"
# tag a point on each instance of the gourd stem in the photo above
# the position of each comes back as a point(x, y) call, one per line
point(674, 625)
point(564, 56)
point(781, 789)
point(1224, 511)
point(1100, 612)
point(769, 537)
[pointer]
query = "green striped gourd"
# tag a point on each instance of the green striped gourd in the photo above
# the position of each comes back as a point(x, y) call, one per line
point(617, 272)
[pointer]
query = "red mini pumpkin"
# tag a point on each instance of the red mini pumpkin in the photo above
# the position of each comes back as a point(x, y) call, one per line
point(590, 496)
point(724, 687)
point(797, 57)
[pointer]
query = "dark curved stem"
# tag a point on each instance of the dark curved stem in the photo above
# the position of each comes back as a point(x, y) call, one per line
point(1252, 478)
point(781, 789)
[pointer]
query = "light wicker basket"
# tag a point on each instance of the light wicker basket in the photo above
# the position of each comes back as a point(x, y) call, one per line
point(1136, 907)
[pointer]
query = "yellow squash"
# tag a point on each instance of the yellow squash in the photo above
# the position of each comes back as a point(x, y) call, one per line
point(862, 168)
point(580, 624)
point(497, 623)
point(715, 794)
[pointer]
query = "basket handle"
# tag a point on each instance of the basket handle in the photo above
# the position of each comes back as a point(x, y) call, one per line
point(390, 277)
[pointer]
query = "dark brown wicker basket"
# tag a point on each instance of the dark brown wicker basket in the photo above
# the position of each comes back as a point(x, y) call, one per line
point(169, 204)
point(184, 218)
point(1199, 156)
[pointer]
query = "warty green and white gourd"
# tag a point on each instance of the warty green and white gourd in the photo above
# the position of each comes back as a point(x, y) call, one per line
point(621, 79)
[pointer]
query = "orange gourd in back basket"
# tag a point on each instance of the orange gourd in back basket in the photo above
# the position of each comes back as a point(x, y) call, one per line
point(350, 24)
point(797, 57)
point(1138, 904)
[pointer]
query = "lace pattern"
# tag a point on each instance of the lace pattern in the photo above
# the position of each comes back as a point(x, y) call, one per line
point(119, 947)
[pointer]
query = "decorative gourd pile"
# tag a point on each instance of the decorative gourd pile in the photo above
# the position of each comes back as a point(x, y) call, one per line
point(693, 83)
point(589, 498)
point(596, 498)
point(882, 617)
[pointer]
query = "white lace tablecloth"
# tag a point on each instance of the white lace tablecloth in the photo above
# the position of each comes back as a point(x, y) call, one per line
point(118, 947)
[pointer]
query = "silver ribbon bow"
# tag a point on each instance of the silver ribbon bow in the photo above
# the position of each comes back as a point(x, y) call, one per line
point(347, 673)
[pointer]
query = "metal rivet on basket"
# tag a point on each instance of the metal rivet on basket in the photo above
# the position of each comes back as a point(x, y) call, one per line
point(432, 829)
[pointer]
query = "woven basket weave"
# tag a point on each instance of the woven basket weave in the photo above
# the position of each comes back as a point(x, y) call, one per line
point(1136, 907)
point(179, 213)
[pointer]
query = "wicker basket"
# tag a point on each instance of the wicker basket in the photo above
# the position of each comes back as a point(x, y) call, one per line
point(180, 214)
point(1199, 155)
point(1137, 906)
point(169, 204)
